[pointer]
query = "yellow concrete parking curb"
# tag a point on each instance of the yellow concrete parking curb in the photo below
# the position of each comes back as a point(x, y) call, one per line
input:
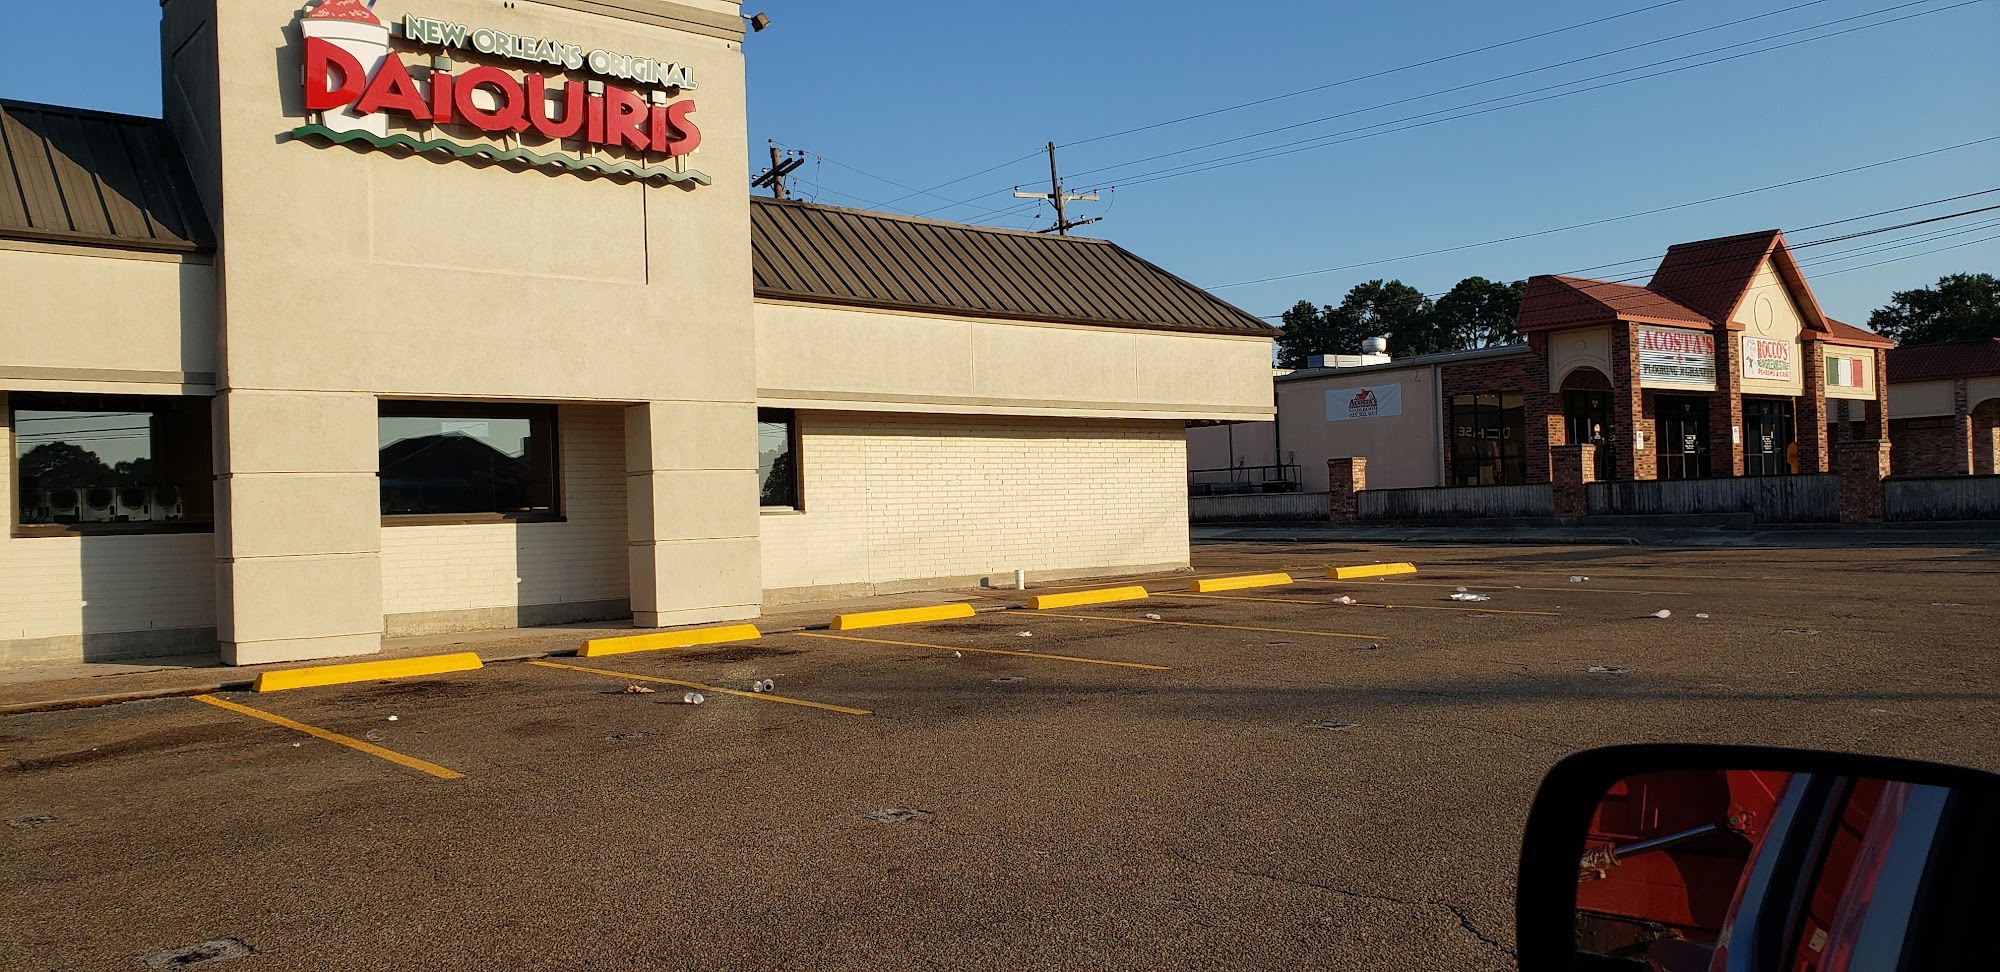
point(1371, 570)
point(1102, 595)
point(292, 678)
point(1238, 583)
point(623, 644)
point(877, 619)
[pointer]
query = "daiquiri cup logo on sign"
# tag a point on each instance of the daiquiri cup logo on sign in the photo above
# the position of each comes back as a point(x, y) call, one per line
point(354, 81)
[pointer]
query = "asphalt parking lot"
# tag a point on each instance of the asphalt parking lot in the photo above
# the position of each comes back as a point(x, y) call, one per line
point(1261, 778)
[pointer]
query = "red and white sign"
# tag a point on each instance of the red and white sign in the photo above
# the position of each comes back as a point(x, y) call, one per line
point(1673, 356)
point(1372, 401)
point(354, 80)
point(1765, 359)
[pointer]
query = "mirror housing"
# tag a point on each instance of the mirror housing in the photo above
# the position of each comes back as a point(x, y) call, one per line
point(1952, 925)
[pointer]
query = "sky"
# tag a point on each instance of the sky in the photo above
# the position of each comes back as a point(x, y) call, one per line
point(899, 104)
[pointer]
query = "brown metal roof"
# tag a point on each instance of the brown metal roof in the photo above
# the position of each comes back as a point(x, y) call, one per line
point(1841, 332)
point(1557, 301)
point(69, 175)
point(1953, 359)
point(1710, 276)
point(828, 254)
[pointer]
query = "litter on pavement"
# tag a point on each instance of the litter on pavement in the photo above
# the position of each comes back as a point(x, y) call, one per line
point(1152, 617)
point(1661, 613)
point(899, 815)
point(693, 698)
point(637, 690)
point(1461, 595)
point(763, 685)
point(1606, 670)
point(1345, 599)
point(1577, 578)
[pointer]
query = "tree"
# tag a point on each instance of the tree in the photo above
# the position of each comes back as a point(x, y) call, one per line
point(1962, 307)
point(1304, 334)
point(1391, 309)
point(64, 465)
point(1479, 313)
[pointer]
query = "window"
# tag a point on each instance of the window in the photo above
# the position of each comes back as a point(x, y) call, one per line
point(778, 459)
point(1488, 440)
point(112, 463)
point(467, 460)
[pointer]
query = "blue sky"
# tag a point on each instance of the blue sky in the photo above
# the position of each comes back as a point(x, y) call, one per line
point(893, 95)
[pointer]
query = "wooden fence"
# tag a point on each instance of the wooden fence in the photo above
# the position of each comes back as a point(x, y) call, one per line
point(1813, 498)
point(1908, 499)
point(1451, 502)
point(1252, 507)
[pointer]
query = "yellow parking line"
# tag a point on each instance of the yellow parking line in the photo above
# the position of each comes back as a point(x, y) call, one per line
point(1201, 624)
point(699, 687)
point(1401, 607)
point(988, 651)
point(334, 737)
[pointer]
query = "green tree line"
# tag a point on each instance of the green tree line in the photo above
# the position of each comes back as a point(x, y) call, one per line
point(1477, 313)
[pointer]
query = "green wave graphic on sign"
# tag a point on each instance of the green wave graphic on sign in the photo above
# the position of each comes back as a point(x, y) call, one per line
point(463, 151)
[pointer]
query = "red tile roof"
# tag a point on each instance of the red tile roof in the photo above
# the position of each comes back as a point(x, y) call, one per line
point(1557, 301)
point(1843, 333)
point(1710, 276)
point(1953, 359)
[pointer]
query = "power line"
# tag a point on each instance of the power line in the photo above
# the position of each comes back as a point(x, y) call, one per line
point(1372, 76)
point(1911, 256)
point(1634, 215)
point(1357, 134)
point(1335, 138)
point(1530, 71)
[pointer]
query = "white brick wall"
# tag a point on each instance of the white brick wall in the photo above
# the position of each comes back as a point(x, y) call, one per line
point(893, 497)
point(489, 565)
point(58, 587)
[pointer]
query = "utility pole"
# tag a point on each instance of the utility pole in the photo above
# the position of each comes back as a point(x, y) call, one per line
point(773, 178)
point(1058, 196)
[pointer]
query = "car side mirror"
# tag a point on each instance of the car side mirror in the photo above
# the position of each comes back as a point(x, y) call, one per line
point(1673, 858)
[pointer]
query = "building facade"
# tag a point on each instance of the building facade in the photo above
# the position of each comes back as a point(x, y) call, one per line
point(451, 317)
point(1722, 365)
point(1944, 408)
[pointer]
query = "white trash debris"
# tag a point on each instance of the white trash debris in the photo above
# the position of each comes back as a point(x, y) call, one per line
point(1947, 604)
point(374, 735)
point(1661, 613)
point(693, 698)
point(392, 718)
point(1607, 670)
point(1703, 617)
point(1461, 590)
point(899, 815)
point(297, 745)
point(1462, 596)
point(958, 654)
point(1345, 599)
point(1336, 726)
point(763, 685)
point(1152, 617)
point(1577, 578)
point(1024, 634)
point(637, 690)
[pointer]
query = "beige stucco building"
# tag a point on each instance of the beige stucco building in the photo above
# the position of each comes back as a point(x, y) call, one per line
point(479, 326)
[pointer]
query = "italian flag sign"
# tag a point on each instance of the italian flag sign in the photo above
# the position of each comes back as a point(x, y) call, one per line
point(1843, 372)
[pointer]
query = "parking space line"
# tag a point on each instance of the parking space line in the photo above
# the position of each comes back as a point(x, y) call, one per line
point(700, 687)
point(1399, 607)
point(334, 737)
point(1203, 624)
point(1575, 589)
point(988, 651)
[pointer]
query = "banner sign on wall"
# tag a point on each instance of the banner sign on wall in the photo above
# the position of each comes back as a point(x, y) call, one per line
point(1767, 360)
point(1845, 372)
point(1669, 355)
point(1373, 401)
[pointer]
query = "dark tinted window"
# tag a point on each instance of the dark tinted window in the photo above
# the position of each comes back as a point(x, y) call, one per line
point(112, 462)
point(451, 457)
point(777, 458)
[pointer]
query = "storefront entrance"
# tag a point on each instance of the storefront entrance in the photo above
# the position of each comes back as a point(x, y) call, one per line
point(1768, 434)
point(1587, 415)
point(1682, 424)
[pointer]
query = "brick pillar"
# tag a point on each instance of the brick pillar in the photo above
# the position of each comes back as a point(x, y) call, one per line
point(1861, 463)
point(1573, 468)
point(1544, 418)
point(1628, 409)
point(1345, 478)
point(1986, 438)
point(1812, 411)
point(1961, 430)
point(1725, 407)
point(1875, 424)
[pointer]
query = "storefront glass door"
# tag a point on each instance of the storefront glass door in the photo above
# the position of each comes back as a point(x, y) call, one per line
point(1587, 415)
point(1682, 424)
point(1768, 435)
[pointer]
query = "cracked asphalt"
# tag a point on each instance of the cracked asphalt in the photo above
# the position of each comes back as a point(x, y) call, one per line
point(1282, 797)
